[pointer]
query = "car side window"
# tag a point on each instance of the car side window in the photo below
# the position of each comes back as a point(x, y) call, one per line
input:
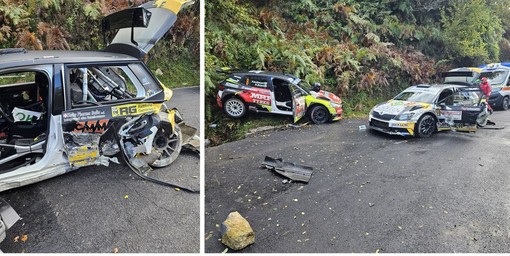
point(260, 82)
point(465, 99)
point(24, 95)
point(446, 97)
point(105, 83)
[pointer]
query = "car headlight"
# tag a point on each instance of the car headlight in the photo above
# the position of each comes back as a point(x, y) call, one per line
point(405, 116)
point(496, 89)
point(334, 105)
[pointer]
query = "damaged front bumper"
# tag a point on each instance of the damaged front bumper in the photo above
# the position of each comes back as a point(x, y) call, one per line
point(402, 128)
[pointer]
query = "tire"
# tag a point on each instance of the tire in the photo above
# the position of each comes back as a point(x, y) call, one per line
point(506, 103)
point(425, 127)
point(234, 108)
point(319, 114)
point(169, 145)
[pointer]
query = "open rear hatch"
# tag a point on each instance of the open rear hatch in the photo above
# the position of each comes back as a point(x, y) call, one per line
point(135, 31)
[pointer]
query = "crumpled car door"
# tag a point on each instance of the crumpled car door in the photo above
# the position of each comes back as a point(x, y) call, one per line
point(140, 28)
point(84, 127)
point(298, 103)
point(462, 111)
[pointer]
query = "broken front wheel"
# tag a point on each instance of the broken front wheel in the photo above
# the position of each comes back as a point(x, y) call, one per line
point(167, 145)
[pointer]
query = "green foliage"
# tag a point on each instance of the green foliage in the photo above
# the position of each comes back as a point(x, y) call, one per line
point(471, 31)
point(92, 10)
point(75, 25)
point(365, 51)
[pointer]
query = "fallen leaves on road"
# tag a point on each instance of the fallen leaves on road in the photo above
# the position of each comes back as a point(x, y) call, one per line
point(115, 250)
point(24, 238)
point(126, 196)
point(16, 238)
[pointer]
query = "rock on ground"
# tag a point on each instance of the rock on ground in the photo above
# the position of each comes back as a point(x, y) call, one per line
point(236, 232)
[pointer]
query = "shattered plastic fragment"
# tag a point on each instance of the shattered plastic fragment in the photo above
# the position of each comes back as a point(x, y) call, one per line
point(290, 170)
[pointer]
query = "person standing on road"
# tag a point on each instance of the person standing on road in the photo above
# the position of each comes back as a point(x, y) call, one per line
point(487, 89)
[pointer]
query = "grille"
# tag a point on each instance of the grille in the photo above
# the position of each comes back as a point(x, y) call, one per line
point(386, 117)
point(379, 124)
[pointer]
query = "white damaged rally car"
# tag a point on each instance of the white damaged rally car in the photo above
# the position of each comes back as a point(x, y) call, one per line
point(424, 109)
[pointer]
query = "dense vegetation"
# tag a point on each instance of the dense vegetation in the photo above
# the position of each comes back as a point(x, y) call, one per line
point(75, 25)
point(363, 50)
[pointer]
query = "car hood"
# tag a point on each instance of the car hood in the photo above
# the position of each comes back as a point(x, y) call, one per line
point(325, 95)
point(395, 107)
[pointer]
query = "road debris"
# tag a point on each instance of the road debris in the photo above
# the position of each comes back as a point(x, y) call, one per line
point(362, 127)
point(297, 126)
point(236, 232)
point(292, 171)
point(115, 250)
point(24, 238)
point(190, 139)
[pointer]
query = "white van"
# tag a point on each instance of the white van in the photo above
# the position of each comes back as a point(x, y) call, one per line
point(498, 76)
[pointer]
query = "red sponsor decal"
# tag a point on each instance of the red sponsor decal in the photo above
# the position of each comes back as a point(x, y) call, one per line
point(98, 126)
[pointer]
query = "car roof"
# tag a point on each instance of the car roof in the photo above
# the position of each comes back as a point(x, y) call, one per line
point(472, 69)
point(264, 73)
point(435, 87)
point(52, 57)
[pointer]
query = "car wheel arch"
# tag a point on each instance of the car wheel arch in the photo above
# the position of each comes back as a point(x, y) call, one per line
point(314, 105)
point(433, 115)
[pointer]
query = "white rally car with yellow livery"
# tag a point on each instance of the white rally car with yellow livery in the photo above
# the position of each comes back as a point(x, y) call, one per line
point(424, 109)
point(62, 110)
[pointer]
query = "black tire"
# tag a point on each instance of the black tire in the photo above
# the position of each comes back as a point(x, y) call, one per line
point(425, 127)
point(234, 107)
point(319, 114)
point(506, 103)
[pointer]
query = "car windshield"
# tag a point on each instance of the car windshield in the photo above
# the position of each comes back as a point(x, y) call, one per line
point(416, 96)
point(495, 77)
point(305, 86)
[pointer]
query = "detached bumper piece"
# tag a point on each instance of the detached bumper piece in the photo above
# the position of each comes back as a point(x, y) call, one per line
point(190, 139)
point(292, 171)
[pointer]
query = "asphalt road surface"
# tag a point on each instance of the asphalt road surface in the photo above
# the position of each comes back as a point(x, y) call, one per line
point(109, 209)
point(369, 192)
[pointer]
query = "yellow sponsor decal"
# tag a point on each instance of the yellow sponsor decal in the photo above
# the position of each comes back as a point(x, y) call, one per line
point(171, 118)
point(268, 107)
point(407, 103)
point(84, 154)
point(402, 125)
point(172, 5)
point(135, 109)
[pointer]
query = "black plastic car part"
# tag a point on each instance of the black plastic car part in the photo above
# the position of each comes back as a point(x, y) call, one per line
point(12, 50)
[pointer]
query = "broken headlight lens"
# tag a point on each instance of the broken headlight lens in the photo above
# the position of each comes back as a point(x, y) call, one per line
point(404, 117)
